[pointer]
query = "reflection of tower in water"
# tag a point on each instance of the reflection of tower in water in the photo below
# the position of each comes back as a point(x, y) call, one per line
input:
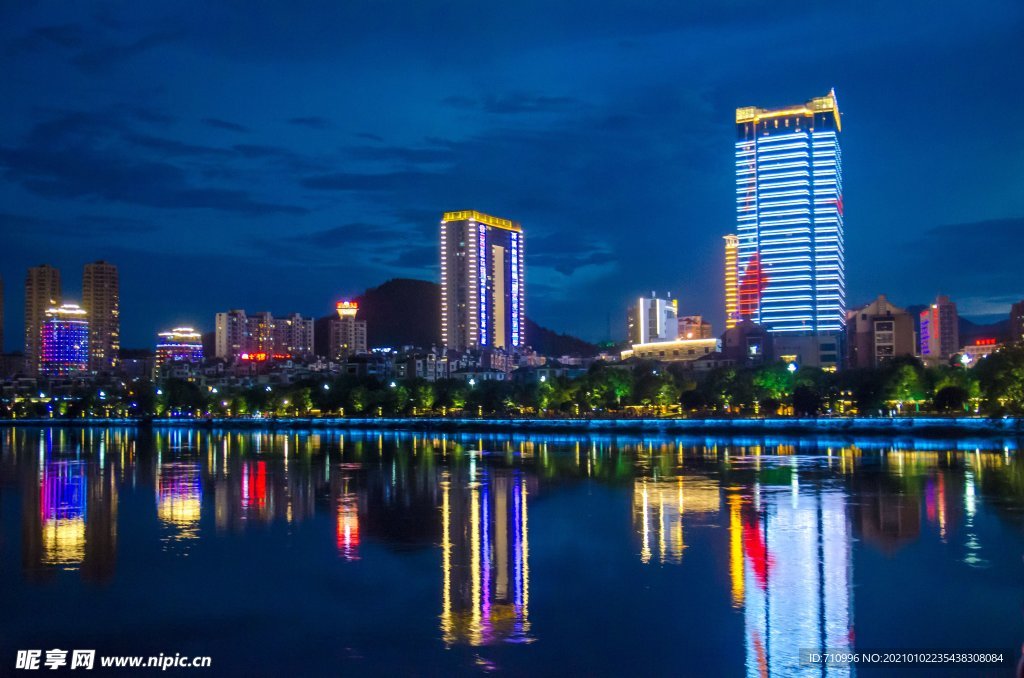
point(485, 557)
point(62, 504)
point(347, 527)
point(790, 565)
point(658, 508)
point(179, 498)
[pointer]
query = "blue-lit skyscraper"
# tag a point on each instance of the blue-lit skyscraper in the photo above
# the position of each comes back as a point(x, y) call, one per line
point(789, 206)
point(482, 282)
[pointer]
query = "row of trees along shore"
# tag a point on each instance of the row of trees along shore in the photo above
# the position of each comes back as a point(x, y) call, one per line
point(994, 387)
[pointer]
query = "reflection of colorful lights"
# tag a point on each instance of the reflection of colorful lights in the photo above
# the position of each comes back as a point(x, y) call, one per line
point(254, 485)
point(347, 530)
point(62, 505)
point(658, 508)
point(179, 498)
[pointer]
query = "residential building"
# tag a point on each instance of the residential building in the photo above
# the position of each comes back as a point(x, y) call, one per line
point(878, 332)
point(483, 288)
point(940, 330)
point(64, 341)
point(652, 319)
point(693, 327)
point(42, 292)
point(790, 264)
point(101, 301)
point(347, 333)
point(241, 335)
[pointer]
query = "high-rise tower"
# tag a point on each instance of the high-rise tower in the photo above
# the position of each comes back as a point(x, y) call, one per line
point(482, 284)
point(42, 292)
point(789, 204)
point(731, 297)
point(102, 302)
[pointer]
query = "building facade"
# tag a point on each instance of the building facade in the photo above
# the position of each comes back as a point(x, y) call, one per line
point(64, 341)
point(731, 283)
point(42, 292)
point(101, 301)
point(678, 350)
point(879, 332)
point(347, 333)
point(1017, 322)
point(693, 327)
point(652, 319)
point(940, 330)
point(180, 345)
point(790, 263)
point(483, 288)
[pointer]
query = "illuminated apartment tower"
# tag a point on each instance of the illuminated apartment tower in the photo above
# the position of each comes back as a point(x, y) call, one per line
point(789, 206)
point(939, 329)
point(731, 298)
point(347, 336)
point(42, 292)
point(101, 300)
point(482, 284)
point(64, 341)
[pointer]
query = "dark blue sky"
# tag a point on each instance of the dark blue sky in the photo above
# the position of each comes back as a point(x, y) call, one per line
point(278, 158)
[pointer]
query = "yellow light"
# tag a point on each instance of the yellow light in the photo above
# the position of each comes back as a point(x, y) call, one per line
point(473, 215)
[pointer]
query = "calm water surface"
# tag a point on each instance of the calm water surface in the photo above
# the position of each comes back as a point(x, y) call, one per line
point(360, 553)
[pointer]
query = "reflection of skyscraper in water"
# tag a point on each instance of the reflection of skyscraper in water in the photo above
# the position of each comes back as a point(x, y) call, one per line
point(485, 557)
point(179, 499)
point(63, 507)
point(70, 520)
point(347, 527)
point(795, 577)
point(658, 508)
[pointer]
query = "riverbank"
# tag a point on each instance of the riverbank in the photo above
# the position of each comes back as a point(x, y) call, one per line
point(952, 427)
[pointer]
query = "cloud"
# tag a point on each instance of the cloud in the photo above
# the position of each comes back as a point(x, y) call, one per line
point(353, 181)
point(225, 125)
point(512, 104)
point(103, 58)
point(370, 136)
point(109, 175)
point(311, 121)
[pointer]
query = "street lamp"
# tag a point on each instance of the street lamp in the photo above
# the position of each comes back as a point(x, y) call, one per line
point(792, 368)
point(472, 382)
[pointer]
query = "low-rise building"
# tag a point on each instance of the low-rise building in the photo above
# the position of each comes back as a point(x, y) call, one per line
point(878, 332)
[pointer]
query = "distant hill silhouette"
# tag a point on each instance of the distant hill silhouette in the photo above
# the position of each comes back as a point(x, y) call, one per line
point(407, 312)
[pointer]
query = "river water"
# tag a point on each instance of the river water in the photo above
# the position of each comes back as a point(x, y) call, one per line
point(341, 553)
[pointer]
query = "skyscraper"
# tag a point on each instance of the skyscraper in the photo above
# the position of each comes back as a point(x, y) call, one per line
point(789, 204)
point(731, 293)
point(483, 289)
point(1, 314)
point(101, 300)
point(42, 292)
point(64, 341)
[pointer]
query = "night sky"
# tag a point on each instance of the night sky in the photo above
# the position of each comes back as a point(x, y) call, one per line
point(278, 158)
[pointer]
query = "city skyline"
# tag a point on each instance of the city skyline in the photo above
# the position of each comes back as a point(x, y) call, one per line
point(326, 204)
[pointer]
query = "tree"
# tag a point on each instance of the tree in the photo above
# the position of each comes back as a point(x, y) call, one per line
point(951, 398)
point(806, 401)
